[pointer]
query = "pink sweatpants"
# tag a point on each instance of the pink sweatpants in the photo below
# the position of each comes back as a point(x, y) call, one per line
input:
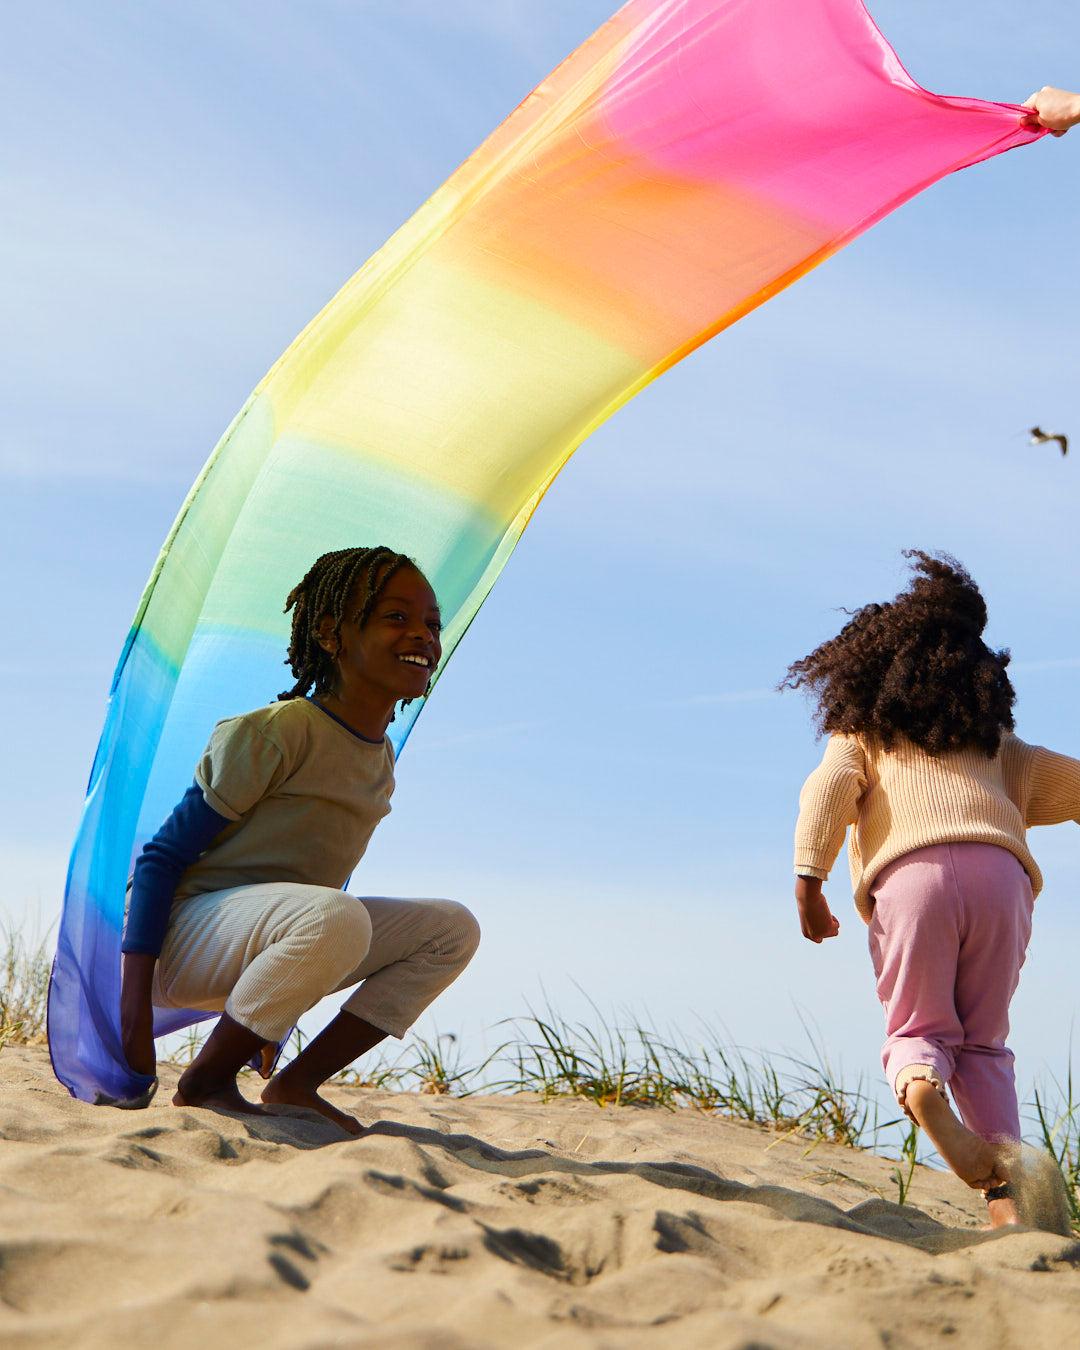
point(948, 936)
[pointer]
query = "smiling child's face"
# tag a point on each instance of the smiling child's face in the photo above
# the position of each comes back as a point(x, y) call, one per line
point(397, 650)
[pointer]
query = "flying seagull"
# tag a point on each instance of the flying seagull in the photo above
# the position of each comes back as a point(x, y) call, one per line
point(1040, 437)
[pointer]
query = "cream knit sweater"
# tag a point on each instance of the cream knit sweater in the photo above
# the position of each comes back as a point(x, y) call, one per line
point(902, 799)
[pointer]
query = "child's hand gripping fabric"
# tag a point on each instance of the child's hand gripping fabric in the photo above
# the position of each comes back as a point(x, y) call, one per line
point(137, 1013)
point(1056, 109)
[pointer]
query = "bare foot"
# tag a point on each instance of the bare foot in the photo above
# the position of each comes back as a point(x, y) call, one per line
point(1002, 1213)
point(223, 1097)
point(267, 1057)
point(972, 1158)
point(277, 1093)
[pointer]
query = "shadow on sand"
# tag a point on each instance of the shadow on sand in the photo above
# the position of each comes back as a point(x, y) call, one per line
point(875, 1217)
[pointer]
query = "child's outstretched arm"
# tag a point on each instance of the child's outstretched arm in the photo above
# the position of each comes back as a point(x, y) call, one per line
point(1054, 108)
point(817, 920)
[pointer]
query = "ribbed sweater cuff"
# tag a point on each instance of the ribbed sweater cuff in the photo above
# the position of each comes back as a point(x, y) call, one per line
point(803, 870)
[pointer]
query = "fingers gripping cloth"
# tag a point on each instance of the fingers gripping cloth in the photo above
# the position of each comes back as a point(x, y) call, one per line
point(686, 163)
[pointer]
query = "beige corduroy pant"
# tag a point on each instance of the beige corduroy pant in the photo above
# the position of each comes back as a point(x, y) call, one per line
point(265, 954)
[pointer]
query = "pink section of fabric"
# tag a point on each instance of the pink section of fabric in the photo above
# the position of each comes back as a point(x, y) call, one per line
point(948, 936)
point(803, 102)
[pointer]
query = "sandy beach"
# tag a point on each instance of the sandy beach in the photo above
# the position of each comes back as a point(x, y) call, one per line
point(468, 1224)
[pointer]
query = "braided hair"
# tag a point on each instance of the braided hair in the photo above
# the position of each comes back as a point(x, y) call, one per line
point(915, 668)
point(358, 575)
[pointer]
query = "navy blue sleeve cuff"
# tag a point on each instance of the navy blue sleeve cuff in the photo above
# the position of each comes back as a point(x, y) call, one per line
point(185, 836)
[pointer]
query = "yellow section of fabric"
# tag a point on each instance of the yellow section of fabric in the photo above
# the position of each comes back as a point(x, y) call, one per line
point(395, 386)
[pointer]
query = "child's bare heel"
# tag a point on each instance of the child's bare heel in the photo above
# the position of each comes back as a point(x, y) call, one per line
point(1001, 1206)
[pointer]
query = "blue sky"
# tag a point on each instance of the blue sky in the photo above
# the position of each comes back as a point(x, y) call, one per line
point(604, 775)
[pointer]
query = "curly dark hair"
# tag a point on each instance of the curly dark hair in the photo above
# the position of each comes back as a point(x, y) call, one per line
point(915, 668)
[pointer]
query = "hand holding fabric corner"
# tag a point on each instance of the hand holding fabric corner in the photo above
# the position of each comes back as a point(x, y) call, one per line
point(1055, 109)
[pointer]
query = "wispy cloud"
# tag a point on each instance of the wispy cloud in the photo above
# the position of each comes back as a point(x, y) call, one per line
point(723, 696)
point(1034, 667)
point(479, 734)
point(629, 710)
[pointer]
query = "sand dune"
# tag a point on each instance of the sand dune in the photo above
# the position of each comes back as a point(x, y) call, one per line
point(461, 1224)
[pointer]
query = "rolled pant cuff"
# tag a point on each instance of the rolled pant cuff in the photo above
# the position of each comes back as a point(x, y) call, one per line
point(271, 1032)
point(912, 1072)
point(378, 1020)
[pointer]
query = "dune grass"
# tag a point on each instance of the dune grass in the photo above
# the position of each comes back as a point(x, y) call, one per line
point(639, 1066)
point(1056, 1114)
point(631, 1066)
point(25, 965)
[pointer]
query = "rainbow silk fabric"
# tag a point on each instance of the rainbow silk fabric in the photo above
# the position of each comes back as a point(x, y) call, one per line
point(687, 162)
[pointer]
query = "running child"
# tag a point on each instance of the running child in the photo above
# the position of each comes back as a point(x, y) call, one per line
point(923, 762)
point(237, 903)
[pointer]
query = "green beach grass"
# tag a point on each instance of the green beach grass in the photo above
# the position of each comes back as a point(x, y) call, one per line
point(614, 1066)
point(25, 965)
